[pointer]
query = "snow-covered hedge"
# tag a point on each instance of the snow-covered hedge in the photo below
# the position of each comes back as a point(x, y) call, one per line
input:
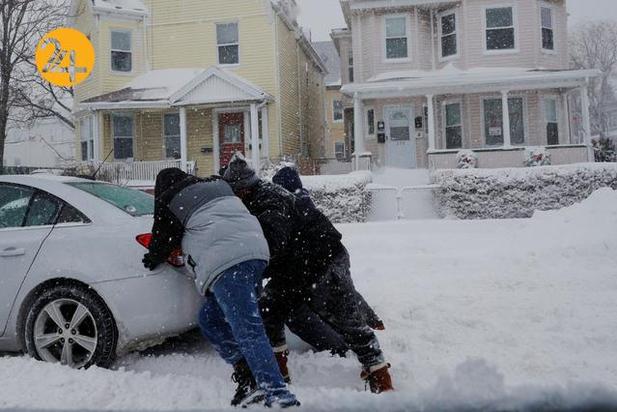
point(517, 193)
point(344, 198)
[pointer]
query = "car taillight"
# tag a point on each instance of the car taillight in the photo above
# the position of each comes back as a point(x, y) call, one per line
point(175, 259)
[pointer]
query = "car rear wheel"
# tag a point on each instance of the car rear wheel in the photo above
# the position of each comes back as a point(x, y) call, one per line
point(71, 325)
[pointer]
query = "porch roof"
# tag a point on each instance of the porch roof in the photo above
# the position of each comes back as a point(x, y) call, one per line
point(451, 80)
point(179, 87)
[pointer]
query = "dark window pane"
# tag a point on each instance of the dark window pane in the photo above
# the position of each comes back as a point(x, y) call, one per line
point(552, 133)
point(500, 17)
point(14, 202)
point(172, 124)
point(500, 39)
point(454, 137)
point(517, 120)
point(371, 121)
point(548, 41)
point(493, 124)
point(123, 148)
point(396, 48)
point(69, 214)
point(133, 202)
point(337, 106)
point(448, 45)
point(123, 126)
point(229, 55)
point(121, 61)
point(84, 151)
point(43, 210)
point(172, 147)
point(351, 75)
point(448, 24)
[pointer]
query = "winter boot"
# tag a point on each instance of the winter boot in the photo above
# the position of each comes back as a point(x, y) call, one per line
point(247, 387)
point(376, 324)
point(281, 398)
point(282, 355)
point(378, 378)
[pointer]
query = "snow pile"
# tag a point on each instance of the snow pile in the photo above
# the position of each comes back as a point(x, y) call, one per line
point(518, 192)
point(480, 315)
point(342, 198)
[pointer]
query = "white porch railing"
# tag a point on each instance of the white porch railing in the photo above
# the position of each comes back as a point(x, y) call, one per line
point(124, 172)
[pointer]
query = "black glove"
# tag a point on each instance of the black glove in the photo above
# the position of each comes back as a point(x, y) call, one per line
point(149, 262)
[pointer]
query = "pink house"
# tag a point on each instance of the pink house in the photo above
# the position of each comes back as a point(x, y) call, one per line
point(429, 78)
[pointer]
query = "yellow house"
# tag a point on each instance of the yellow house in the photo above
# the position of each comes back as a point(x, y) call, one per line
point(188, 83)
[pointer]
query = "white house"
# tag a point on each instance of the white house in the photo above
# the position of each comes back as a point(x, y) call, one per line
point(433, 77)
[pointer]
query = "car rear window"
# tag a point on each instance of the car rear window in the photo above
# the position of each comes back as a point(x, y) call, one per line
point(133, 202)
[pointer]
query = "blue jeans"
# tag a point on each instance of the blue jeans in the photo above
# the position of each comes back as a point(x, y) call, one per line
point(231, 321)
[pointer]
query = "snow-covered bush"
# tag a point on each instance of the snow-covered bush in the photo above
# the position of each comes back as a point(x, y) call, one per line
point(466, 159)
point(518, 192)
point(537, 156)
point(604, 150)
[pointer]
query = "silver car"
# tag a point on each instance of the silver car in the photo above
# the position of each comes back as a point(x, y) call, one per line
point(72, 286)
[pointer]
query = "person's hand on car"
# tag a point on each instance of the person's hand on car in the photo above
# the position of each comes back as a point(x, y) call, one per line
point(149, 262)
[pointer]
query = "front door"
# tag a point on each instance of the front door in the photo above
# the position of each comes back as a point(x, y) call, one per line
point(231, 135)
point(400, 143)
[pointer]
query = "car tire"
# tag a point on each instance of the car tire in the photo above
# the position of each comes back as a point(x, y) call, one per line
point(70, 324)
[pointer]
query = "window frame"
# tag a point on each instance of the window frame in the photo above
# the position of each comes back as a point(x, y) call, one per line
point(525, 120)
point(485, 28)
point(350, 66)
point(441, 15)
point(112, 50)
point(342, 119)
point(367, 123)
point(545, 5)
point(554, 98)
point(343, 152)
point(114, 137)
point(165, 136)
point(219, 45)
point(89, 120)
point(385, 37)
point(445, 126)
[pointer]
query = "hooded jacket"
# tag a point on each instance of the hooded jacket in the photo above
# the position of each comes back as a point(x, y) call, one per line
point(206, 219)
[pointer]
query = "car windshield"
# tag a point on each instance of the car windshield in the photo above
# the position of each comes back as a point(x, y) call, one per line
point(131, 201)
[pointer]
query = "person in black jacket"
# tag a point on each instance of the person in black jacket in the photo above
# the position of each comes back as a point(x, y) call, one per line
point(309, 265)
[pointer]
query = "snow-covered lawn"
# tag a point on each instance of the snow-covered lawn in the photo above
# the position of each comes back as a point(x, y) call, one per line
point(497, 314)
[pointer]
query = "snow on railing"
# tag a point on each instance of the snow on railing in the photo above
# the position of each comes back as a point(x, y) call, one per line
point(122, 172)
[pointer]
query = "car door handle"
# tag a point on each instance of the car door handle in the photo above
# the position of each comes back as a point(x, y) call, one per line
point(11, 251)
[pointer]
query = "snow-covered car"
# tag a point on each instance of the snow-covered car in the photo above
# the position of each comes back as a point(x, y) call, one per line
point(72, 285)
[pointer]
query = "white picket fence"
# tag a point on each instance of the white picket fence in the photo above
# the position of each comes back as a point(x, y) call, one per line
point(142, 171)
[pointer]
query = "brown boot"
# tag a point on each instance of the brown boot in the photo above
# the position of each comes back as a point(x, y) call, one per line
point(378, 378)
point(282, 354)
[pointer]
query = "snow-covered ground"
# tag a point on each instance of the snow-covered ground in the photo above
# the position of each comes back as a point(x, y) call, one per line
point(507, 314)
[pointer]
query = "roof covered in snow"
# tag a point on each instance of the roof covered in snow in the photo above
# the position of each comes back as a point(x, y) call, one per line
point(451, 80)
point(180, 87)
point(329, 55)
point(121, 6)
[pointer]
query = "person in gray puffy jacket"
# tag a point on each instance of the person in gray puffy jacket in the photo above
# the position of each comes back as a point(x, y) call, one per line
point(227, 254)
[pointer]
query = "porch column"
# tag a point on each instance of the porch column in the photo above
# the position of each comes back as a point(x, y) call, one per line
point(566, 116)
point(96, 150)
point(183, 140)
point(430, 108)
point(505, 107)
point(358, 128)
point(255, 137)
point(586, 121)
point(265, 133)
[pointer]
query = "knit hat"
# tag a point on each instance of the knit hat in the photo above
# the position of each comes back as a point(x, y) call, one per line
point(239, 174)
point(168, 178)
point(289, 178)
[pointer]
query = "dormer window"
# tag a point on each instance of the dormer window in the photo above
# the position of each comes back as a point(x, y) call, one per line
point(548, 37)
point(397, 42)
point(500, 29)
point(121, 51)
point(227, 40)
point(448, 34)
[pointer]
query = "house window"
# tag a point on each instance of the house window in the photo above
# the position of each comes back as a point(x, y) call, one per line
point(370, 121)
point(227, 40)
point(493, 121)
point(123, 129)
point(337, 110)
point(454, 125)
point(552, 122)
point(396, 38)
point(339, 150)
point(447, 33)
point(171, 128)
point(121, 51)
point(86, 131)
point(500, 32)
point(548, 38)
point(350, 66)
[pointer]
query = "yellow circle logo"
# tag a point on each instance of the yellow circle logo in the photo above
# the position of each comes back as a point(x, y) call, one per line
point(65, 57)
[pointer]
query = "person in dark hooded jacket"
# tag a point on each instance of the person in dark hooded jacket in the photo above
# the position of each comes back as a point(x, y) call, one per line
point(228, 254)
point(309, 265)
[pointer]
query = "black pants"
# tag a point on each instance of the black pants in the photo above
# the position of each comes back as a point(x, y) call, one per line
point(334, 299)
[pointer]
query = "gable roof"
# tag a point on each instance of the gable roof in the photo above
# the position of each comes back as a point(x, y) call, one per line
point(329, 55)
point(180, 87)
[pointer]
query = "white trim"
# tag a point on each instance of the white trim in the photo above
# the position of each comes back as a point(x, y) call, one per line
point(447, 102)
point(456, 33)
point(131, 51)
point(516, 49)
point(218, 62)
point(184, 152)
point(255, 155)
point(545, 5)
point(384, 38)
